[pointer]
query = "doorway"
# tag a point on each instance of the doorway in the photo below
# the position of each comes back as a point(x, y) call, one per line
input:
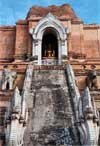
point(49, 45)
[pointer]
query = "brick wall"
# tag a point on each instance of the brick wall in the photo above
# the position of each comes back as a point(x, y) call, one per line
point(7, 43)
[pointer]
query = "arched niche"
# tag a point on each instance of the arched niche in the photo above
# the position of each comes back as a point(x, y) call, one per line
point(49, 47)
point(49, 25)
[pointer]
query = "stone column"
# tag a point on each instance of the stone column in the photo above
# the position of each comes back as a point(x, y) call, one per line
point(35, 48)
point(62, 50)
point(39, 48)
point(64, 47)
point(59, 51)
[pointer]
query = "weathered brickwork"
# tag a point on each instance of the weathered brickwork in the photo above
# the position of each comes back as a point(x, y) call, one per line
point(18, 44)
point(7, 43)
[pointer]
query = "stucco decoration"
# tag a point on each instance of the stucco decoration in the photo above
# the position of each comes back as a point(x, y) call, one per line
point(49, 21)
point(8, 78)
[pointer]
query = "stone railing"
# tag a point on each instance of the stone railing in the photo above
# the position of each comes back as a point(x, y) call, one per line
point(50, 62)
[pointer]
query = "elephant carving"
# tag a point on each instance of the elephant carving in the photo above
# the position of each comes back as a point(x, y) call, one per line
point(91, 80)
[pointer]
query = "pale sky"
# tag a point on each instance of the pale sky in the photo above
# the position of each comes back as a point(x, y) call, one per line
point(12, 10)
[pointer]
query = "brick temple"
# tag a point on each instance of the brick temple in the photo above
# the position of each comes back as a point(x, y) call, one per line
point(47, 44)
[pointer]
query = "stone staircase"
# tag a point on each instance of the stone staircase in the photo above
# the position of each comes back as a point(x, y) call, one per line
point(51, 108)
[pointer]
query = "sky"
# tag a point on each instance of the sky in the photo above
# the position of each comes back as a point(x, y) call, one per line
point(13, 10)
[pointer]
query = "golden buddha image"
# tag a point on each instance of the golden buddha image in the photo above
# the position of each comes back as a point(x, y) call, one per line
point(49, 52)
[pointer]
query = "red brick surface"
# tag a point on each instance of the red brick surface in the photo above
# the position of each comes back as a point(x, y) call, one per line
point(83, 46)
point(16, 42)
point(21, 45)
point(64, 10)
point(7, 43)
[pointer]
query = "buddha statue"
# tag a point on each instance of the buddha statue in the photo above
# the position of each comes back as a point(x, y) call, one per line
point(49, 52)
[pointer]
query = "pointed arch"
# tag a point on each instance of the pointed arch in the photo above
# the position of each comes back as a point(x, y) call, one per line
point(49, 21)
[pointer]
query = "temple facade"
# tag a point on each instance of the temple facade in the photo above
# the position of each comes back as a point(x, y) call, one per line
point(50, 80)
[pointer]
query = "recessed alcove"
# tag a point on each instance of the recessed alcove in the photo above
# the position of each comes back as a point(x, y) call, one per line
point(49, 46)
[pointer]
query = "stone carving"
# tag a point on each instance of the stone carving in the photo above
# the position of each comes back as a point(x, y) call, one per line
point(8, 78)
point(91, 79)
point(16, 101)
point(90, 115)
point(17, 113)
point(85, 110)
point(73, 89)
point(15, 120)
point(27, 84)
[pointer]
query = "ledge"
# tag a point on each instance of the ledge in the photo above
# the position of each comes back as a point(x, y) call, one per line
point(7, 28)
point(22, 22)
point(91, 26)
